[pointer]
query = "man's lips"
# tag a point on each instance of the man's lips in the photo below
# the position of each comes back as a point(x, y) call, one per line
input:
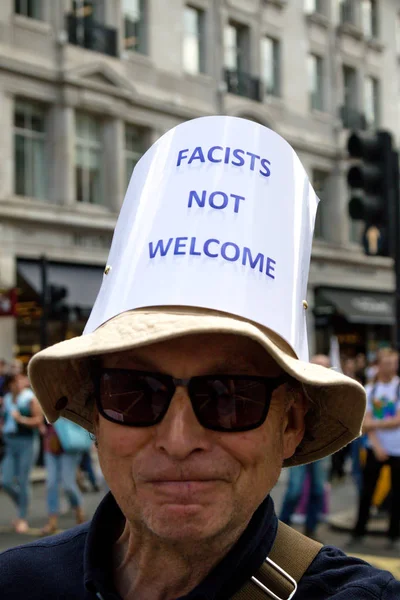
point(183, 489)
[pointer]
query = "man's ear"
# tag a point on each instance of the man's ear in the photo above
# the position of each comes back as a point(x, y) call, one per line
point(294, 421)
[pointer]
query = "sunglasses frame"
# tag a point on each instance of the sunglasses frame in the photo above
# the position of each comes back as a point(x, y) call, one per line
point(271, 384)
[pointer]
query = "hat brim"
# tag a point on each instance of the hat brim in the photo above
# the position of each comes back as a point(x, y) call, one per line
point(63, 370)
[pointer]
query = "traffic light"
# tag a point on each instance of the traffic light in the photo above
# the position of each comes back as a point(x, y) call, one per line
point(57, 308)
point(372, 185)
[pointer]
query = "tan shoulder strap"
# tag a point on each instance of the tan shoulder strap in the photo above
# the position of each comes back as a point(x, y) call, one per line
point(277, 578)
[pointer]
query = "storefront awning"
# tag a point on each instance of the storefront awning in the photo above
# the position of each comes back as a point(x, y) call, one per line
point(359, 307)
point(81, 281)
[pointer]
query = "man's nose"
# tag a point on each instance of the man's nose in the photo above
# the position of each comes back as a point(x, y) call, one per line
point(180, 433)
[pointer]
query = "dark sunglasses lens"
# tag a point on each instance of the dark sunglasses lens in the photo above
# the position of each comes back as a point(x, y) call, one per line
point(230, 403)
point(132, 398)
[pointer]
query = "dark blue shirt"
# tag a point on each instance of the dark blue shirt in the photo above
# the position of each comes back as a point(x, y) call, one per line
point(78, 564)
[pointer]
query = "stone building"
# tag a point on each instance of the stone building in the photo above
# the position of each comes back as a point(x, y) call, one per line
point(87, 85)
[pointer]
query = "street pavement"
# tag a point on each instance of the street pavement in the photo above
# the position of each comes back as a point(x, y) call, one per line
point(342, 499)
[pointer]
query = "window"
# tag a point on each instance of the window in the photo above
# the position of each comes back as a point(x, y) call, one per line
point(319, 182)
point(89, 159)
point(29, 8)
point(193, 40)
point(136, 144)
point(135, 25)
point(371, 101)
point(30, 149)
point(313, 6)
point(270, 57)
point(349, 88)
point(315, 82)
point(236, 48)
point(347, 11)
point(369, 15)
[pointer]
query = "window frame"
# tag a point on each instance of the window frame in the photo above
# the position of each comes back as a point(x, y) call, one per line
point(30, 135)
point(133, 156)
point(320, 233)
point(199, 37)
point(139, 28)
point(316, 96)
point(241, 49)
point(275, 45)
point(372, 84)
point(87, 146)
point(372, 30)
point(24, 9)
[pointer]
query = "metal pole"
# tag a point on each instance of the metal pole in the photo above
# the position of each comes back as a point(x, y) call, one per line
point(44, 303)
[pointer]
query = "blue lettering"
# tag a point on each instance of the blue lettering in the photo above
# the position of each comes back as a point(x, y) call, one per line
point(210, 154)
point(197, 155)
point(253, 263)
point(240, 160)
point(207, 245)
point(159, 248)
point(193, 195)
point(264, 164)
point(193, 247)
point(253, 160)
point(180, 243)
point(224, 249)
point(224, 202)
point(182, 154)
point(270, 270)
point(227, 154)
point(237, 200)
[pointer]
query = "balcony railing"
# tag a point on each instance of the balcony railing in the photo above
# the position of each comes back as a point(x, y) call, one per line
point(89, 34)
point(243, 84)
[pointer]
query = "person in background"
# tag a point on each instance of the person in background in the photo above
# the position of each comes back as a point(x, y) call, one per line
point(22, 420)
point(61, 469)
point(338, 461)
point(297, 477)
point(361, 365)
point(86, 466)
point(382, 426)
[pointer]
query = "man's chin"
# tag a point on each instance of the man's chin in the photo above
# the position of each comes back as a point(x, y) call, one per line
point(186, 522)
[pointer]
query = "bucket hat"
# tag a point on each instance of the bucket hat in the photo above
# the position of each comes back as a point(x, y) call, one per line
point(61, 375)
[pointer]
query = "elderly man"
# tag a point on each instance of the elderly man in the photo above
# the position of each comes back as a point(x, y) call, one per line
point(189, 377)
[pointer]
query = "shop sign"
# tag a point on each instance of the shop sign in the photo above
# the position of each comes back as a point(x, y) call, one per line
point(368, 304)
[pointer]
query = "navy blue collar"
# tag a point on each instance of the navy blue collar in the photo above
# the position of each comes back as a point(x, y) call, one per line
point(241, 562)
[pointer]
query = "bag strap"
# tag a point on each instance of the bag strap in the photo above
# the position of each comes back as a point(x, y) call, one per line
point(291, 555)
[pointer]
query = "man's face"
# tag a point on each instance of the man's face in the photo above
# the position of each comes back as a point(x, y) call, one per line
point(184, 482)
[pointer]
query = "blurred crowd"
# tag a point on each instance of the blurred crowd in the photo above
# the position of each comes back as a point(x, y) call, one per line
point(26, 439)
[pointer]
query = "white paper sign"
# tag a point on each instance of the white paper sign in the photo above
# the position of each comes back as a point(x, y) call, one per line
point(219, 214)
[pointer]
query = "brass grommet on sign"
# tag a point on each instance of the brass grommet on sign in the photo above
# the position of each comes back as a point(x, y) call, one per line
point(61, 403)
point(305, 304)
point(107, 269)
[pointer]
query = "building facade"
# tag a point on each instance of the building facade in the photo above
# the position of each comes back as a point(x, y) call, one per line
point(87, 86)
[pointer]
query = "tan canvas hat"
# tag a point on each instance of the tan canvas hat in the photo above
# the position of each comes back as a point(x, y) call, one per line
point(61, 374)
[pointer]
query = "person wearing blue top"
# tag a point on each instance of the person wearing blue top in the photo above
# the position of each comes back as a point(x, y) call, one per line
point(22, 418)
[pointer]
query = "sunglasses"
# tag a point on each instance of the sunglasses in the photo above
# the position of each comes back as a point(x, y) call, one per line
point(220, 402)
